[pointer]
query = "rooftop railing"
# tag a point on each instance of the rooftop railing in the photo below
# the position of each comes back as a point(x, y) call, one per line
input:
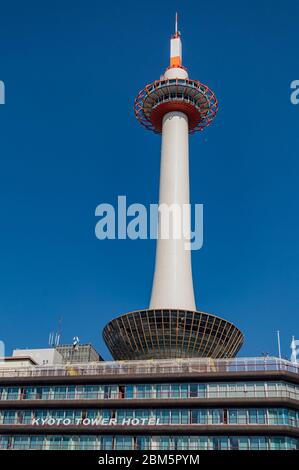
point(154, 367)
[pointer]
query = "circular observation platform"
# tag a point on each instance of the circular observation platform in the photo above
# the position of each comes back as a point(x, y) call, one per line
point(191, 97)
point(165, 334)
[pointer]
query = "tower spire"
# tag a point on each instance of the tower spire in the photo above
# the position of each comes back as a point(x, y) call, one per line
point(176, 46)
point(176, 22)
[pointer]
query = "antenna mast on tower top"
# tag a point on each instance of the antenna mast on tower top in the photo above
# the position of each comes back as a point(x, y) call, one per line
point(176, 26)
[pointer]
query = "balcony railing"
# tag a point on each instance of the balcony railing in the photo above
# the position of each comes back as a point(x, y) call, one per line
point(155, 367)
point(223, 394)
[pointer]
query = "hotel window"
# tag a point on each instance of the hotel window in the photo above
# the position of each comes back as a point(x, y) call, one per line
point(292, 389)
point(180, 443)
point(163, 416)
point(4, 440)
point(272, 417)
point(129, 391)
point(144, 414)
point(224, 441)
point(216, 443)
point(256, 416)
point(250, 390)
point(107, 442)
point(202, 391)
point(65, 442)
point(199, 416)
point(140, 391)
point(47, 393)
point(258, 443)
point(291, 417)
point(92, 414)
point(69, 414)
point(21, 442)
point(55, 414)
point(77, 416)
point(71, 391)
point(175, 391)
point(12, 393)
point(107, 414)
point(234, 443)
point(88, 443)
point(59, 393)
point(79, 392)
point(36, 442)
point(217, 416)
point(260, 389)
point(24, 391)
point(262, 443)
point(41, 414)
point(91, 392)
point(240, 387)
point(142, 443)
point(193, 390)
point(123, 443)
point(175, 417)
point(9, 417)
point(233, 416)
point(113, 391)
point(213, 391)
point(25, 417)
point(164, 443)
point(242, 416)
point(185, 416)
point(163, 391)
point(54, 442)
point(198, 443)
point(184, 390)
point(254, 443)
point(243, 443)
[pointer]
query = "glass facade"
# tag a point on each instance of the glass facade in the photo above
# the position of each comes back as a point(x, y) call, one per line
point(258, 389)
point(96, 442)
point(149, 416)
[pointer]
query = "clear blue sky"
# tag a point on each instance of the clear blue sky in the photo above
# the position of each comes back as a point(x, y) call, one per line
point(69, 141)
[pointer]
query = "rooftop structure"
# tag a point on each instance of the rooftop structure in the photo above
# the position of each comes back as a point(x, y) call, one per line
point(79, 353)
point(45, 356)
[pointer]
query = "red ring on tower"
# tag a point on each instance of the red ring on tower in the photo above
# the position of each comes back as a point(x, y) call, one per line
point(190, 97)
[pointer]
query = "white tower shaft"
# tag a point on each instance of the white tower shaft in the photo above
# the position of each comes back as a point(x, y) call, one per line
point(173, 284)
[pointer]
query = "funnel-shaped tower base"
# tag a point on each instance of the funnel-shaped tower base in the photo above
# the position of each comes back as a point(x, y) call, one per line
point(164, 334)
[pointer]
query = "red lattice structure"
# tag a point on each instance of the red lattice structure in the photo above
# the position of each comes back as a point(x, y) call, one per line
point(190, 97)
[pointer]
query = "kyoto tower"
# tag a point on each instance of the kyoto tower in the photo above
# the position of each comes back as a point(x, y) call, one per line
point(173, 106)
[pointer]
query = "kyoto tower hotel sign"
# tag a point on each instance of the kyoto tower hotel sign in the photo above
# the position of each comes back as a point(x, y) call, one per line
point(174, 106)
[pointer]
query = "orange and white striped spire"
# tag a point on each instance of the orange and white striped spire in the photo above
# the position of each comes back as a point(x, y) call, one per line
point(176, 69)
point(176, 46)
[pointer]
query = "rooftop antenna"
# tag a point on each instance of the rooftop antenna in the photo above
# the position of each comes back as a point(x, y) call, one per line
point(54, 338)
point(176, 27)
point(51, 339)
point(278, 344)
point(58, 334)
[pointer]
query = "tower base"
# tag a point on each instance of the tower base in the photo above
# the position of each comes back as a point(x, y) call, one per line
point(164, 334)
